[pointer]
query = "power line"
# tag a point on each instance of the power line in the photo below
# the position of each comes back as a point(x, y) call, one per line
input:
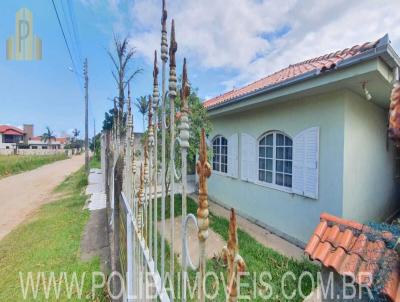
point(71, 30)
point(75, 29)
point(66, 42)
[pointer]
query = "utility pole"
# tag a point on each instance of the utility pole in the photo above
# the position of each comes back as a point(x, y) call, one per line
point(85, 72)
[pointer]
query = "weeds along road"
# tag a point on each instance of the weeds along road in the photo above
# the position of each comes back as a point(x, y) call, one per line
point(22, 194)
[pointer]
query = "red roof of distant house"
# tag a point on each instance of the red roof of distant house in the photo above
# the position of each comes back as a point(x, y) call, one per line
point(61, 140)
point(322, 63)
point(351, 248)
point(10, 130)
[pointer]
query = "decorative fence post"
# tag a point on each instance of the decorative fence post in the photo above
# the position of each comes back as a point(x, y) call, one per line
point(164, 58)
point(155, 173)
point(204, 171)
point(172, 95)
point(145, 190)
point(150, 180)
point(184, 145)
point(139, 214)
point(231, 255)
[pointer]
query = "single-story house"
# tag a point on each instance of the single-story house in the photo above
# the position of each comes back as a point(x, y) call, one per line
point(308, 139)
point(37, 143)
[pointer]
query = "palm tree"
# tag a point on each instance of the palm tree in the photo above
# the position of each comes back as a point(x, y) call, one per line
point(48, 136)
point(75, 133)
point(124, 55)
point(142, 105)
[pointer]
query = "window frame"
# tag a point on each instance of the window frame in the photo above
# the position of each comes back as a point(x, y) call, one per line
point(220, 153)
point(273, 185)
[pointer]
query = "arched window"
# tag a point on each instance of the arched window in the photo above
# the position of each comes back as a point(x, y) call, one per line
point(275, 159)
point(220, 154)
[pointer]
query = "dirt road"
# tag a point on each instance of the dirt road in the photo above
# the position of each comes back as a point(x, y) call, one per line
point(22, 194)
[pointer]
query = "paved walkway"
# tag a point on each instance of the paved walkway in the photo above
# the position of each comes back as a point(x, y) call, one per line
point(22, 194)
point(94, 241)
point(259, 233)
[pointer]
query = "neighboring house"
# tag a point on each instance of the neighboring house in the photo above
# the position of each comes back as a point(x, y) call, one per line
point(308, 139)
point(37, 143)
point(10, 136)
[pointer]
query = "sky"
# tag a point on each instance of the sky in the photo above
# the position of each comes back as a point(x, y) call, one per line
point(228, 43)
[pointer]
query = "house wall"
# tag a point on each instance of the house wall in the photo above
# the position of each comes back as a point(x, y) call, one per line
point(284, 212)
point(6, 146)
point(369, 174)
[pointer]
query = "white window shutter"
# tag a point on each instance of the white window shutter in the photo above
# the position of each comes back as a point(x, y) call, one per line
point(248, 154)
point(233, 155)
point(298, 163)
point(305, 163)
point(311, 163)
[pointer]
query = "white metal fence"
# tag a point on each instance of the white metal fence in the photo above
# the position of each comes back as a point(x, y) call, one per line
point(139, 199)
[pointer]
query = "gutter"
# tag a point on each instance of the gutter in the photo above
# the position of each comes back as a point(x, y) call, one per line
point(383, 49)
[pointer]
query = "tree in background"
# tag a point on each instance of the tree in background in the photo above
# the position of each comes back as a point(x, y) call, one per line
point(95, 146)
point(48, 136)
point(142, 104)
point(121, 60)
point(108, 120)
point(75, 134)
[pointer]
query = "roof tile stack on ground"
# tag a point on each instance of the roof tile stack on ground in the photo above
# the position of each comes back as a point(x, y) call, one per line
point(357, 250)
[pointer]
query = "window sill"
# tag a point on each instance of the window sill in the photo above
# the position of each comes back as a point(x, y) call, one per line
point(223, 174)
point(275, 187)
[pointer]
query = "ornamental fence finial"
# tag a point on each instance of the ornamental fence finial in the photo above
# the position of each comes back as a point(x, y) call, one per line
point(231, 255)
point(164, 43)
point(394, 115)
point(203, 169)
point(173, 47)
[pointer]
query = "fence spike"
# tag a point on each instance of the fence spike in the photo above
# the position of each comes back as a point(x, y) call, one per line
point(203, 169)
point(155, 165)
point(394, 114)
point(184, 145)
point(172, 95)
point(164, 58)
point(231, 255)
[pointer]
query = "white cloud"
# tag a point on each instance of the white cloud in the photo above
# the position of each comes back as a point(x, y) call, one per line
point(245, 35)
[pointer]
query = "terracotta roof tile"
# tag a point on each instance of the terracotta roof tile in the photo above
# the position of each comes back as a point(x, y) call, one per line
point(353, 249)
point(11, 130)
point(318, 64)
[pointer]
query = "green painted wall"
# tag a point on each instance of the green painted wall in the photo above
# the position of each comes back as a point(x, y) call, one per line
point(291, 214)
point(369, 176)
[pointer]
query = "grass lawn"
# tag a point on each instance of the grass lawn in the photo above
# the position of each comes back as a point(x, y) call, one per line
point(49, 242)
point(258, 259)
point(13, 164)
point(95, 163)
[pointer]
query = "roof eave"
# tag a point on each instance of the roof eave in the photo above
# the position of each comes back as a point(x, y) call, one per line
point(383, 50)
